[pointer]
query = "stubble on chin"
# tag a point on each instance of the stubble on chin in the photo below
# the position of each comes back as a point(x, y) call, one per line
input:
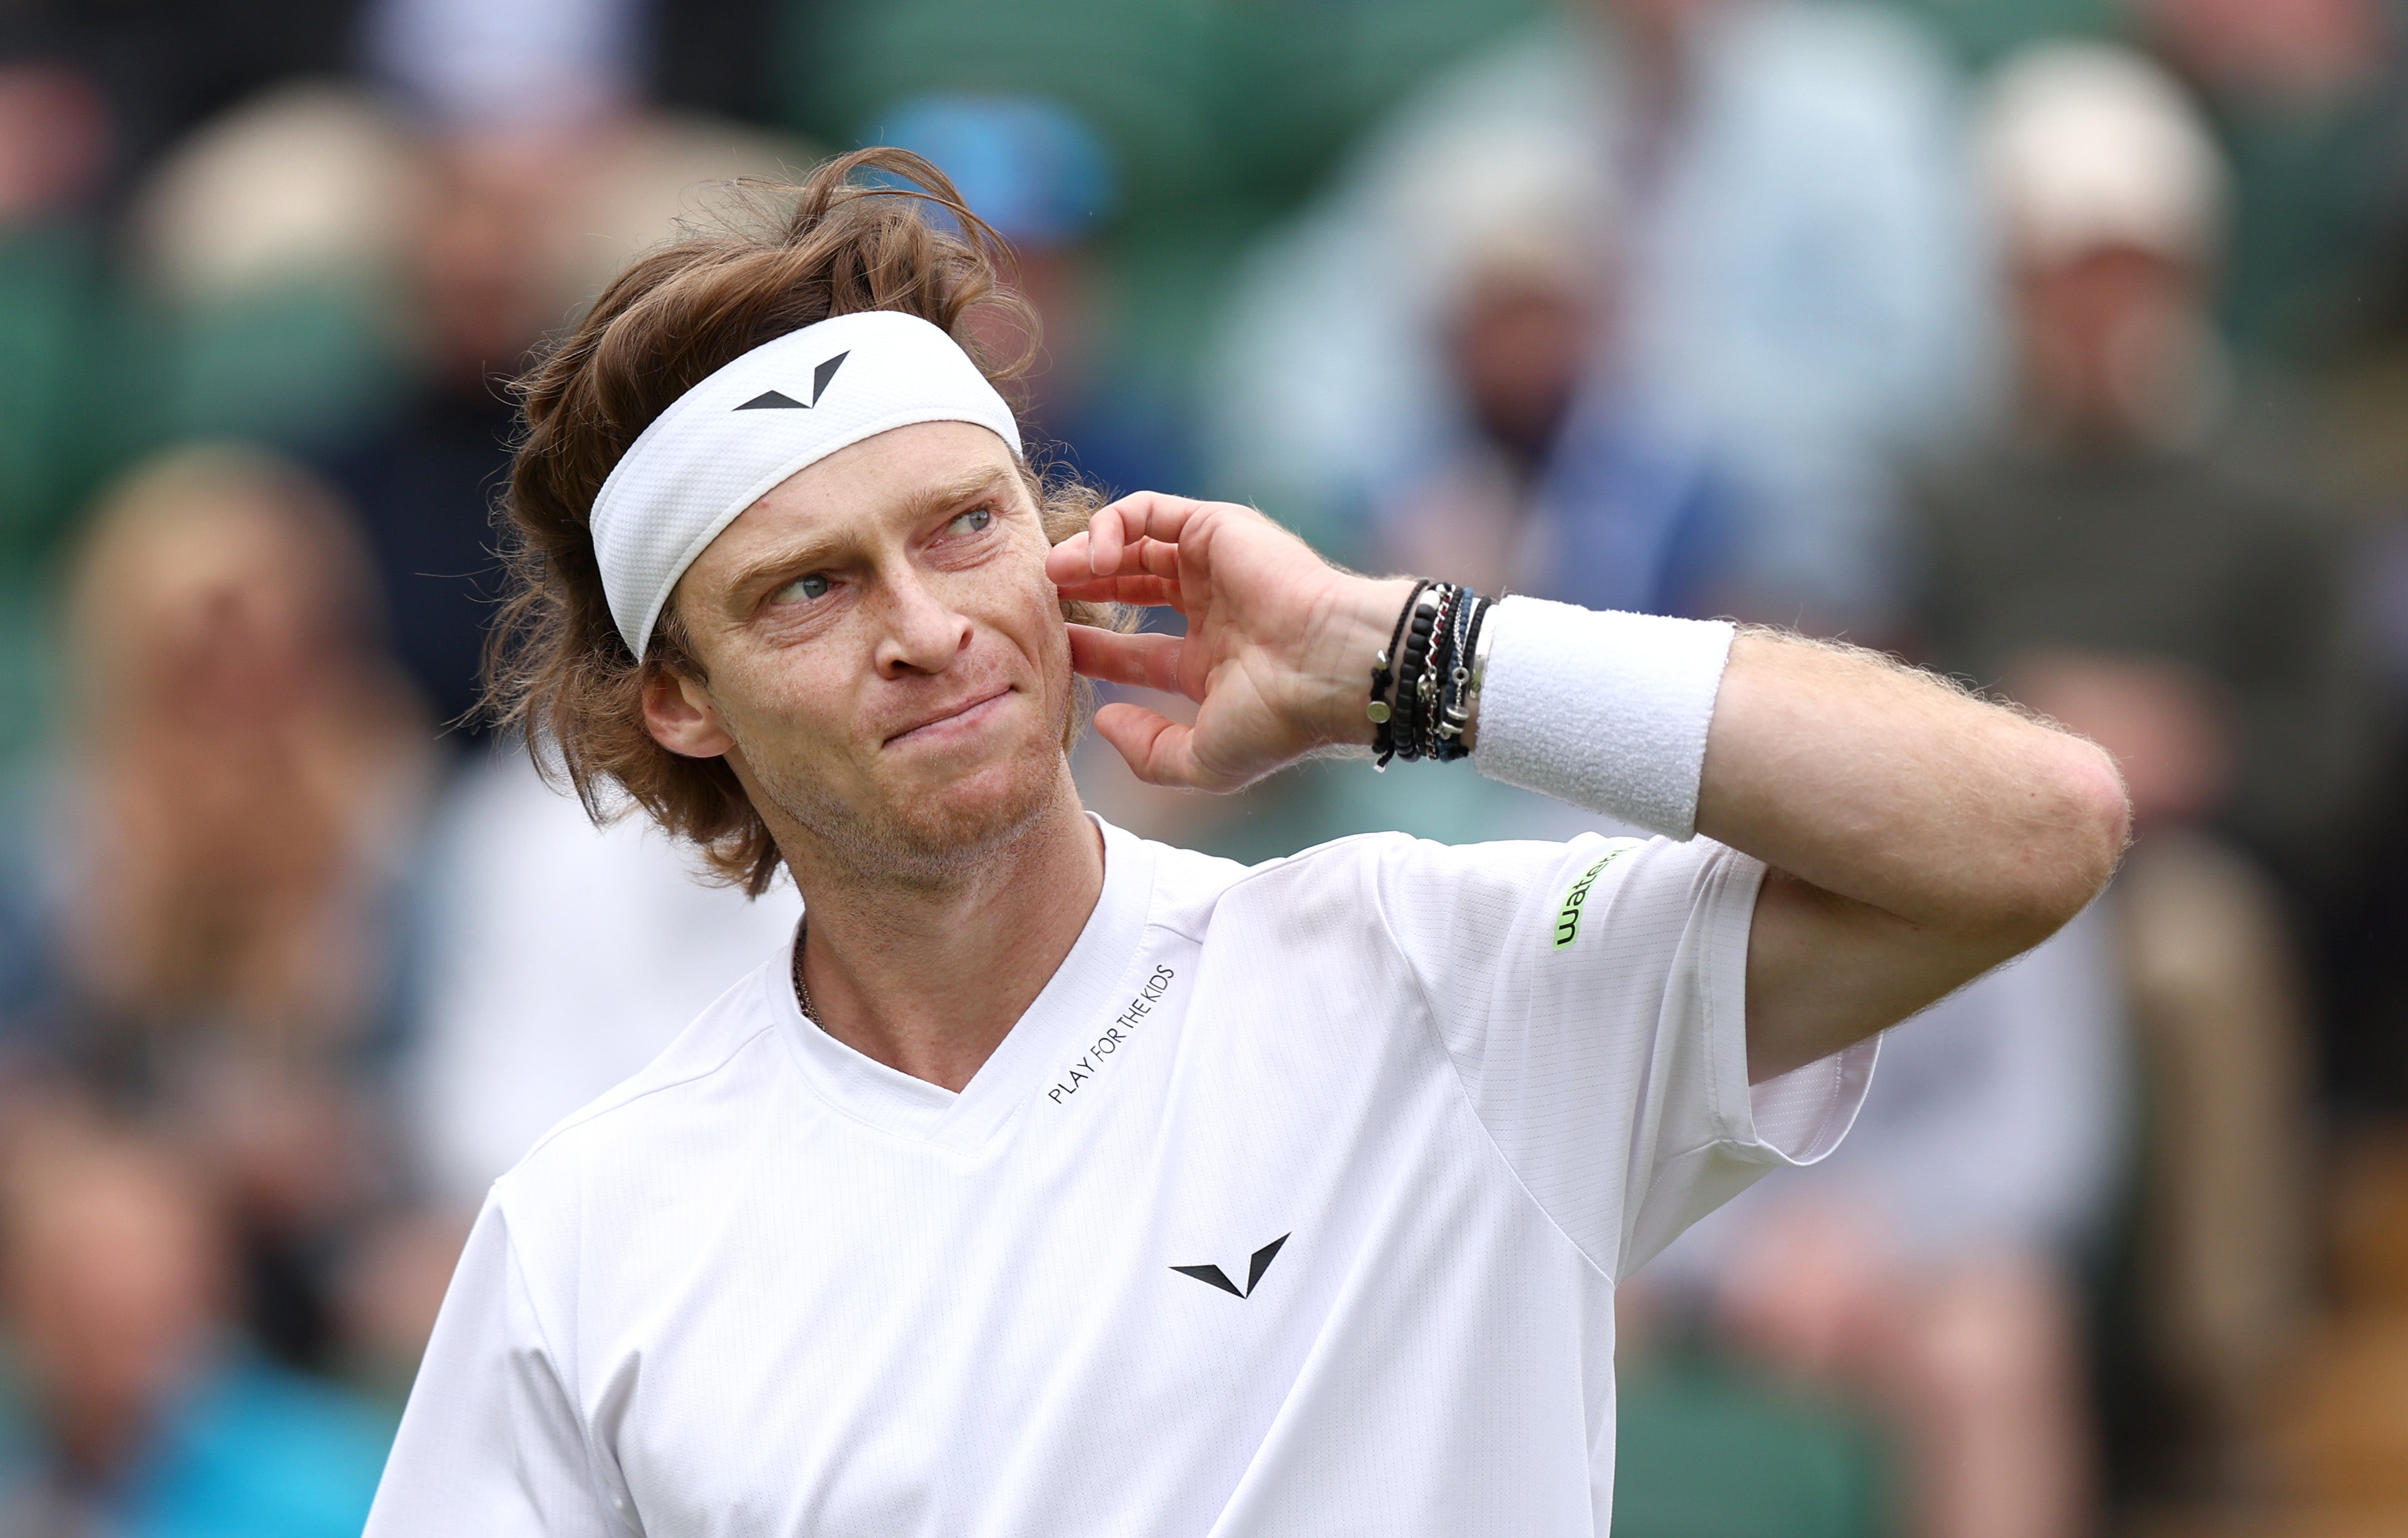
point(922, 834)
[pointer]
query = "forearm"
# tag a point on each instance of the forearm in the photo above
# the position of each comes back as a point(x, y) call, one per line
point(1884, 786)
point(1861, 778)
point(1865, 781)
point(1916, 836)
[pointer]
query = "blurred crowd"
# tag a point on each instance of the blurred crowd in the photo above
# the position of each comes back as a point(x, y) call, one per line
point(2060, 345)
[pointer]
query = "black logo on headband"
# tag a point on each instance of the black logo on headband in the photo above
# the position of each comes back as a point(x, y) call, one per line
point(778, 400)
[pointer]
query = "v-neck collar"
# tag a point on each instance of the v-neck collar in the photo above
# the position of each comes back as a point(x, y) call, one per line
point(1080, 989)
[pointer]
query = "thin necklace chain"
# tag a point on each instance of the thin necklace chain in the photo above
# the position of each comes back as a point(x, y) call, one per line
point(803, 989)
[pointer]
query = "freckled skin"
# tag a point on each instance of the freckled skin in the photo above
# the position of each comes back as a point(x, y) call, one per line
point(905, 610)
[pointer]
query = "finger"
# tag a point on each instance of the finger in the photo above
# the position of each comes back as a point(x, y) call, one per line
point(1142, 515)
point(1137, 592)
point(1075, 560)
point(1154, 558)
point(1141, 532)
point(1148, 661)
point(1144, 558)
point(1104, 536)
point(1158, 750)
point(1071, 561)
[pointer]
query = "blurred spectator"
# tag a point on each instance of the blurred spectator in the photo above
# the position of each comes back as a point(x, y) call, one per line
point(2137, 447)
point(214, 891)
point(163, 65)
point(135, 1411)
point(1144, 75)
point(2305, 50)
point(243, 771)
point(1795, 252)
point(2306, 96)
point(519, 228)
point(1035, 171)
point(1542, 471)
point(1930, 1267)
point(53, 139)
point(65, 353)
point(486, 263)
point(1558, 474)
point(559, 961)
point(269, 246)
point(533, 65)
point(2139, 557)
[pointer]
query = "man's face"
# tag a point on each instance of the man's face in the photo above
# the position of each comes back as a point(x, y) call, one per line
point(887, 666)
point(2108, 337)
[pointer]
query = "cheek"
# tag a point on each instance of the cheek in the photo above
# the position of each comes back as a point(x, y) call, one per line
point(1039, 629)
point(1024, 609)
point(789, 697)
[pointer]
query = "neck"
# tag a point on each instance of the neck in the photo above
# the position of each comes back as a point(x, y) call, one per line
point(929, 976)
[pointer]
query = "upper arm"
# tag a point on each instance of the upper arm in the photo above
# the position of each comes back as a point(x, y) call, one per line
point(1917, 836)
point(491, 1443)
point(1824, 972)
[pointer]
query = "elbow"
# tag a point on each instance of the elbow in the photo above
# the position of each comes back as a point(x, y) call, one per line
point(2098, 817)
point(2081, 819)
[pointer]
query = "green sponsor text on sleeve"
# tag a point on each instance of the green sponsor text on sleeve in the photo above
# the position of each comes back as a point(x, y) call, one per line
point(1568, 917)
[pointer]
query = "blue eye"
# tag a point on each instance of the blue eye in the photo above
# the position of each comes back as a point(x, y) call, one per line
point(976, 521)
point(804, 589)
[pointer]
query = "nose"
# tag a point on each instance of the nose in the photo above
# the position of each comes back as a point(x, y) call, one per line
point(922, 634)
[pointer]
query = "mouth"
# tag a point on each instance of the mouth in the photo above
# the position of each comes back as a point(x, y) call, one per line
point(954, 720)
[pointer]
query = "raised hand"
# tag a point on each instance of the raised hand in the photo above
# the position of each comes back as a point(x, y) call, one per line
point(1279, 646)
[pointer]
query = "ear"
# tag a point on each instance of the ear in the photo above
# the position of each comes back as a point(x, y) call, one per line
point(681, 717)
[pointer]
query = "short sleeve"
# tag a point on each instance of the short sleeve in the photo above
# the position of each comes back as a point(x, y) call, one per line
point(491, 1443)
point(1592, 996)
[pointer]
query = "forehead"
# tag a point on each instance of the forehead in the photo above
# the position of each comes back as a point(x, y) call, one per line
point(896, 476)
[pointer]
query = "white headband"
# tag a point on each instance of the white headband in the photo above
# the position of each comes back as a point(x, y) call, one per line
point(786, 404)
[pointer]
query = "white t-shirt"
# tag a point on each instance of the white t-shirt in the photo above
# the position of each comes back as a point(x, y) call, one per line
point(1294, 1204)
point(561, 959)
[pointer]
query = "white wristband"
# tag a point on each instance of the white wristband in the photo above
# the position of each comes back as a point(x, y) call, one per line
point(1605, 710)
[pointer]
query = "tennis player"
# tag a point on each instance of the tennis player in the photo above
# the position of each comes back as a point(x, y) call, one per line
point(1059, 1182)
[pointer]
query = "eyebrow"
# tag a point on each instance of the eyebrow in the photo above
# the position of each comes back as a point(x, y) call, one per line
point(816, 547)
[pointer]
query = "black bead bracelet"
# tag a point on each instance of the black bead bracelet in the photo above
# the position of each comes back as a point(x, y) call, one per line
point(1428, 665)
point(1384, 740)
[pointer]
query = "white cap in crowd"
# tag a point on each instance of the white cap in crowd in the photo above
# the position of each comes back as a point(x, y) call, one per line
point(2089, 144)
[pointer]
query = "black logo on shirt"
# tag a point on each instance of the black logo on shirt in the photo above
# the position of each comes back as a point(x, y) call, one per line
point(1261, 1263)
point(778, 400)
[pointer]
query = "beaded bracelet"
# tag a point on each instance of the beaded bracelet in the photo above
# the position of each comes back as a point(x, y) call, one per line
point(1431, 663)
point(1419, 636)
point(1383, 740)
point(1438, 682)
point(1462, 678)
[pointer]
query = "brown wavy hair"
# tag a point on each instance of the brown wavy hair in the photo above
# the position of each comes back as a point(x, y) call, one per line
point(856, 233)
